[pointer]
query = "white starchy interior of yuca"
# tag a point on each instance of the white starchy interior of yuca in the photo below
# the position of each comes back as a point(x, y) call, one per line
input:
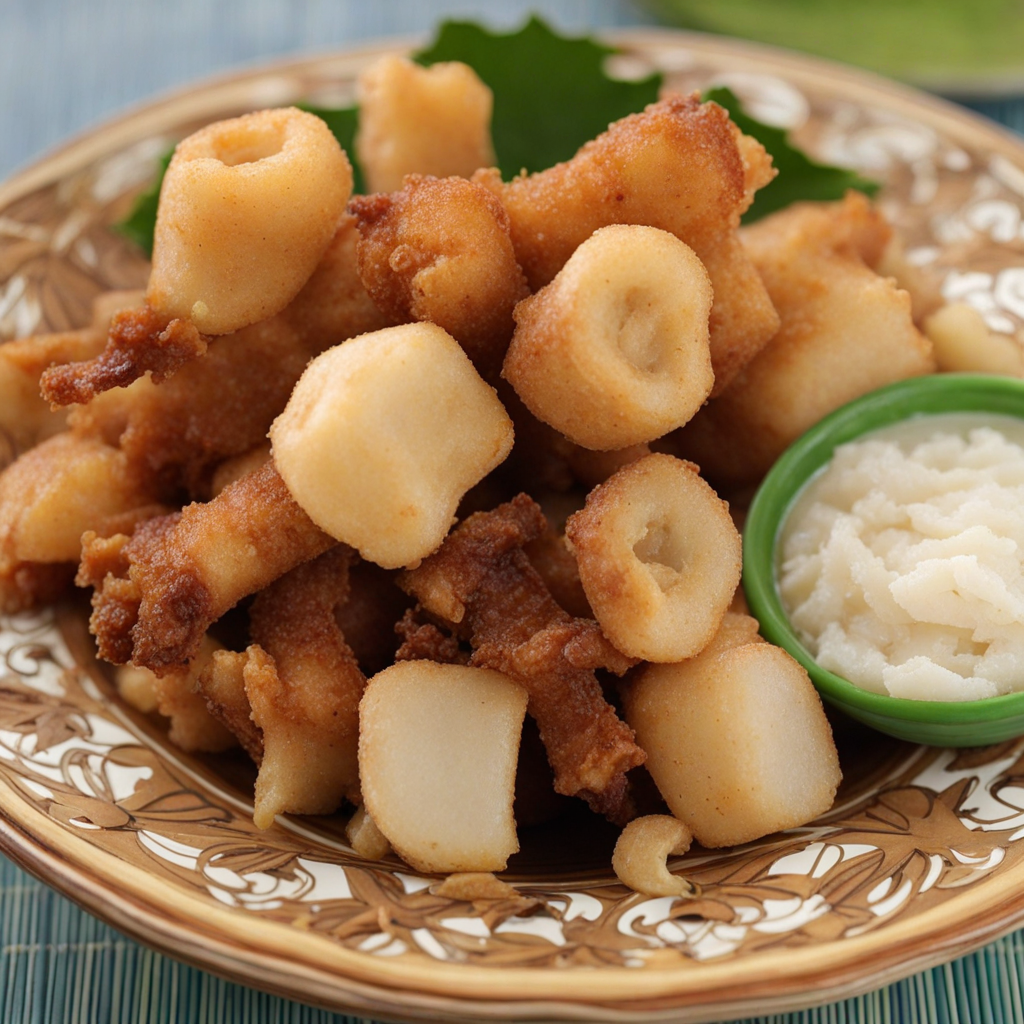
point(903, 565)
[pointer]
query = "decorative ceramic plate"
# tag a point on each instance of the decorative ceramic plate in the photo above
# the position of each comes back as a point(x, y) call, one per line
point(920, 860)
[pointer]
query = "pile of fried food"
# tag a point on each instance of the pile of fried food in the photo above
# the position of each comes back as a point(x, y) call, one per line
point(477, 548)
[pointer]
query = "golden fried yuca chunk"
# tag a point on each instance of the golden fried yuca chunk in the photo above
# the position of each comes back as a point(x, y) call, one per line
point(659, 558)
point(56, 491)
point(737, 742)
point(437, 763)
point(680, 165)
point(382, 437)
point(845, 331)
point(614, 351)
point(247, 209)
point(417, 120)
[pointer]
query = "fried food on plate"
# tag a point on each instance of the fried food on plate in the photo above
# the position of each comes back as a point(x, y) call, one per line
point(439, 250)
point(736, 739)
point(374, 455)
point(158, 591)
point(682, 166)
point(304, 687)
point(482, 583)
point(248, 207)
point(614, 351)
point(845, 331)
point(442, 796)
point(642, 850)
point(417, 120)
point(659, 558)
point(221, 684)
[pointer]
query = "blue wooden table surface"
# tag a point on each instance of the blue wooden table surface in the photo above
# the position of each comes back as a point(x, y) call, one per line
point(66, 65)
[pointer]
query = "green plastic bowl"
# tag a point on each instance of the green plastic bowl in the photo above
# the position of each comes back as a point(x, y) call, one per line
point(941, 723)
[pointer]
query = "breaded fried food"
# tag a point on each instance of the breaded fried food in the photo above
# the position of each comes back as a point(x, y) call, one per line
point(248, 206)
point(614, 351)
point(159, 591)
point(482, 583)
point(680, 165)
point(439, 249)
point(845, 331)
point(25, 416)
point(221, 684)
point(304, 688)
point(49, 496)
point(418, 120)
point(139, 341)
point(211, 410)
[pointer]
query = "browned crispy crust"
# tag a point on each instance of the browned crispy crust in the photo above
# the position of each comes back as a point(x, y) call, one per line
point(680, 165)
point(439, 250)
point(482, 582)
point(222, 685)
point(184, 571)
point(310, 689)
point(139, 341)
point(423, 641)
point(25, 585)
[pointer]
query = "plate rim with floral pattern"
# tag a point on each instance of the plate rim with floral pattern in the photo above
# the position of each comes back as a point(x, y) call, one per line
point(920, 861)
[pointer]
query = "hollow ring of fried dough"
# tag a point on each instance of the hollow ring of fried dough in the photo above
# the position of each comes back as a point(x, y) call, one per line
point(641, 852)
point(247, 208)
point(614, 351)
point(659, 558)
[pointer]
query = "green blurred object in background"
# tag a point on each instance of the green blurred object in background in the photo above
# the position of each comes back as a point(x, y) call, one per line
point(961, 47)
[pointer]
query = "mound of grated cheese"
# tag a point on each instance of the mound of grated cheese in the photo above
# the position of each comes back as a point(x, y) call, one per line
point(902, 564)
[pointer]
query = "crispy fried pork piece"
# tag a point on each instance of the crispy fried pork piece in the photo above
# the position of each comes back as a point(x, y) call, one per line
point(440, 250)
point(333, 304)
point(368, 616)
point(680, 165)
point(481, 581)
point(49, 496)
point(183, 572)
point(139, 341)
point(845, 331)
point(221, 684)
point(211, 410)
point(304, 688)
point(423, 641)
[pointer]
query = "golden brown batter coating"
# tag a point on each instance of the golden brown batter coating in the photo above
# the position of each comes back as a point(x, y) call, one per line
point(140, 341)
point(212, 409)
point(440, 250)
point(304, 687)
point(222, 685)
point(482, 582)
point(185, 571)
point(682, 166)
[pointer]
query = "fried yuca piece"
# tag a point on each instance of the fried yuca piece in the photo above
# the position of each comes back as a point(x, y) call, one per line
point(417, 120)
point(25, 417)
point(158, 591)
point(248, 207)
point(221, 684)
point(614, 351)
point(659, 558)
point(49, 496)
point(482, 583)
point(304, 687)
point(680, 165)
point(439, 249)
point(845, 331)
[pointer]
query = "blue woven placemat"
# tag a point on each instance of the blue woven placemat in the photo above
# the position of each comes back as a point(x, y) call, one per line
point(59, 965)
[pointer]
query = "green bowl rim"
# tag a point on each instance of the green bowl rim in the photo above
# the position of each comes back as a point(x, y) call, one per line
point(906, 399)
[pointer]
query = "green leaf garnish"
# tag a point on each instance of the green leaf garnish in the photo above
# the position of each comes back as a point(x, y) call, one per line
point(799, 177)
point(343, 123)
point(139, 225)
point(551, 94)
